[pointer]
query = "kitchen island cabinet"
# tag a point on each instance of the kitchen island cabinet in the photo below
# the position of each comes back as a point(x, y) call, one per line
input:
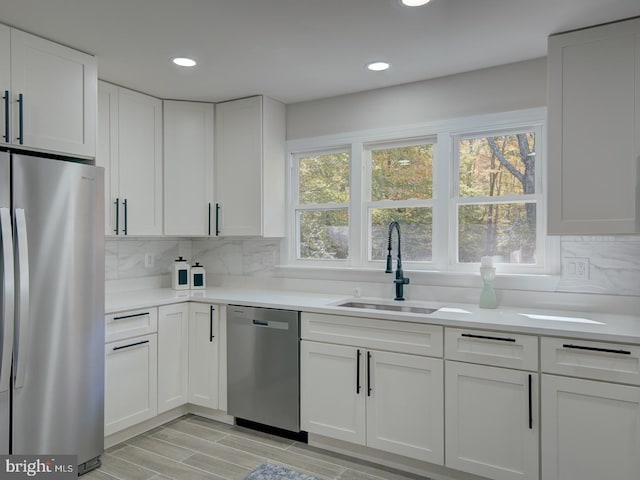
point(250, 167)
point(50, 92)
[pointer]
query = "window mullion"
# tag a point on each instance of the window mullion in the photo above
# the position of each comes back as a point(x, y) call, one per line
point(441, 196)
point(356, 225)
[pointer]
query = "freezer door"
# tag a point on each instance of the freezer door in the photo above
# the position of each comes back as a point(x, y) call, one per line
point(6, 302)
point(58, 394)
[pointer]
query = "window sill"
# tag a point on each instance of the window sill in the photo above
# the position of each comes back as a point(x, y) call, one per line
point(504, 281)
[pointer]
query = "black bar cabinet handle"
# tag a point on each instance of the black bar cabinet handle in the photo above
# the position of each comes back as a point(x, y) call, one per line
point(21, 119)
point(134, 315)
point(596, 349)
point(486, 337)
point(124, 230)
point(117, 204)
point(209, 218)
point(530, 404)
point(358, 373)
point(131, 345)
point(368, 374)
point(6, 115)
point(217, 219)
point(211, 335)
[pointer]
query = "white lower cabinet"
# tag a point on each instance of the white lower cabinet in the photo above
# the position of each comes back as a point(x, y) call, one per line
point(491, 421)
point(204, 350)
point(173, 356)
point(590, 430)
point(389, 401)
point(131, 382)
point(332, 391)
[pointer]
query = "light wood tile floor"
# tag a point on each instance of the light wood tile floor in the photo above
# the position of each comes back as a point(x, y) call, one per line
point(195, 448)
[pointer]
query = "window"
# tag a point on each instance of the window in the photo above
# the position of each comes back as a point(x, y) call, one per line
point(400, 189)
point(322, 210)
point(497, 197)
point(461, 190)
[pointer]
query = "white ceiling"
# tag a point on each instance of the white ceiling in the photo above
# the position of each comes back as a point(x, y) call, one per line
point(296, 50)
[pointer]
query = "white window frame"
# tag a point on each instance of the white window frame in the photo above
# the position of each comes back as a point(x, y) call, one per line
point(445, 174)
point(368, 204)
point(294, 254)
point(538, 198)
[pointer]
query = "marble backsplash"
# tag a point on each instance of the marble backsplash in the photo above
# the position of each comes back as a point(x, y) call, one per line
point(127, 258)
point(614, 261)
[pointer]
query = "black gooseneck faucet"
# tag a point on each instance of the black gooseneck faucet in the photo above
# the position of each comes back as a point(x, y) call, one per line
point(400, 280)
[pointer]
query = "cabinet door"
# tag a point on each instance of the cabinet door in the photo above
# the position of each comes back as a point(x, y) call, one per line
point(107, 154)
point(131, 386)
point(188, 169)
point(203, 355)
point(140, 162)
point(590, 430)
point(59, 92)
point(405, 411)
point(594, 128)
point(492, 421)
point(5, 82)
point(173, 356)
point(239, 166)
point(332, 391)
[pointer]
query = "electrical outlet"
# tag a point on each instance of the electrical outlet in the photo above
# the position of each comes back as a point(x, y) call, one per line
point(149, 260)
point(575, 268)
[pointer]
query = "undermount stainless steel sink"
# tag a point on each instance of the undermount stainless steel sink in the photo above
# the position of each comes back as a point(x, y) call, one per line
point(386, 306)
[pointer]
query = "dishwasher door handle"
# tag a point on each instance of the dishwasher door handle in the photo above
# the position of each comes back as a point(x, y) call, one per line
point(270, 324)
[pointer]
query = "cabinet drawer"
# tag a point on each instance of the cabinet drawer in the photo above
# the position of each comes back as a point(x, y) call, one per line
point(403, 337)
point(492, 348)
point(613, 362)
point(131, 324)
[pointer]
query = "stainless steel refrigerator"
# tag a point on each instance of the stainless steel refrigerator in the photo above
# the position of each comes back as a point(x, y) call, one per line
point(52, 308)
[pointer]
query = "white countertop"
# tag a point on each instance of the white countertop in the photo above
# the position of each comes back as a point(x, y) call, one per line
point(584, 325)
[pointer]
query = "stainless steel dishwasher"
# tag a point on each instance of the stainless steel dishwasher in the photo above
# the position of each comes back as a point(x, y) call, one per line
point(263, 372)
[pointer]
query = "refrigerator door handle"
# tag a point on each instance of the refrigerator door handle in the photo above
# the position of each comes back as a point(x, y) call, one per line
point(22, 257)
point(6, 321)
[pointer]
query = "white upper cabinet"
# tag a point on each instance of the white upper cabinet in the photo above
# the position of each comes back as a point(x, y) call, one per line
point(250, 167)
point(189, 206)
point(5, 82)
point(594, 130)
point(130, 149)
point(51, 95)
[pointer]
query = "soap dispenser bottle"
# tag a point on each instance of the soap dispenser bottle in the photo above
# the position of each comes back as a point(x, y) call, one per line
point(198, 277)
point(488, 297)
point(181, 274)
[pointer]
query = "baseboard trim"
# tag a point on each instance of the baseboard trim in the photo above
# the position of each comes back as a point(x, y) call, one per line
point(391, 460)
point(158, 420)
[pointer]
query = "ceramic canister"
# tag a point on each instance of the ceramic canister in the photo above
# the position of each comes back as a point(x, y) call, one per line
point(181, 274)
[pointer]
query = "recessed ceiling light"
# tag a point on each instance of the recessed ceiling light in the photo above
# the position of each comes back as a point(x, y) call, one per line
point(378, 66)
point(415, 3)
point(184, 61)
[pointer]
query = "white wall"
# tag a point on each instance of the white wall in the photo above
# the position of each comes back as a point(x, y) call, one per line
point(499, 89)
